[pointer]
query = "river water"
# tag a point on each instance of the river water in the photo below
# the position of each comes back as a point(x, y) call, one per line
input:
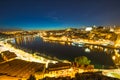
point(68, 51)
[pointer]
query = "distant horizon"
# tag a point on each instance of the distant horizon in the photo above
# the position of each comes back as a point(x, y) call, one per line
point(58, 28)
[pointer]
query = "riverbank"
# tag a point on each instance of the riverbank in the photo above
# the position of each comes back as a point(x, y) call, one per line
point(4, 46)
point(104, 43)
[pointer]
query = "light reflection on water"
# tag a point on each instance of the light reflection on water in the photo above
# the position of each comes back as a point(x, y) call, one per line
point(62, 50)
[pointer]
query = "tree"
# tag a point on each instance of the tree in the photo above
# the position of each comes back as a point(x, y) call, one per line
point(32, 77)
point(82, 60)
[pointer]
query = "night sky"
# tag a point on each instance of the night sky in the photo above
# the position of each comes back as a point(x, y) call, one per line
point(58, 14)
